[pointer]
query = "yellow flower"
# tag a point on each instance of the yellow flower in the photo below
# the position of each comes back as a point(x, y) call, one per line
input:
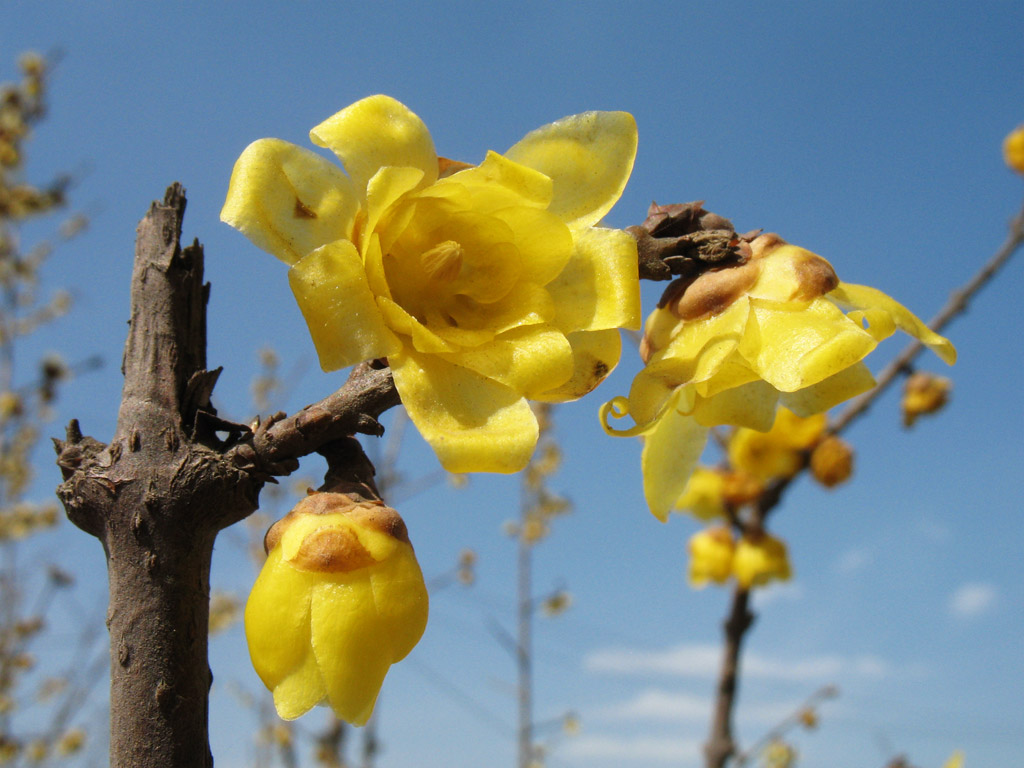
point(711, 556)
point(923, 393)
point(736, 342)
point(704, 494)
point(760, 560)
point(339, 600)
point(482, 285)
point(1013, 149)
point(775, 453)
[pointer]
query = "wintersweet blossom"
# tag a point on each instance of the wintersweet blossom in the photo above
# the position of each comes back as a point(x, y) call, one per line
point(1013, 150)
point(711, 556)
point(481, 285)
point(760, 560)
point(736, 342)
point(339, 600)
point(777, 452)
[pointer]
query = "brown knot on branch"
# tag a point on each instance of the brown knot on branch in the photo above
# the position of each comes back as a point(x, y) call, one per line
point(683, 240)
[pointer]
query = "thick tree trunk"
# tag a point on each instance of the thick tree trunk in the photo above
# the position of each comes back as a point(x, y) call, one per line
point(157, 495)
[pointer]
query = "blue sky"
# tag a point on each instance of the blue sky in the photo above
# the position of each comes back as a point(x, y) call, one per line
point(867, 132)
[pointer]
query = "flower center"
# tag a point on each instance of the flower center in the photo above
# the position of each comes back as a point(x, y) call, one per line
point(443, 261)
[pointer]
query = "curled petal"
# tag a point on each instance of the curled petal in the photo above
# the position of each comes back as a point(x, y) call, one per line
point(288, 200)
point(863, 297)
point(474, 424)
point(595, 354)
point(588, 157)
point(599, 288)
point(331, 289)
point(671, 452)
point(374, 133)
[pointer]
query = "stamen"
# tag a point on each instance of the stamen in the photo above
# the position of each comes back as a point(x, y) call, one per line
point(443, 262)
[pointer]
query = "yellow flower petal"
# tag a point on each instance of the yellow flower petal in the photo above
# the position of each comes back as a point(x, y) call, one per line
point(529, 186)
point(750, 405)
point(474, 424)
point(352, 645)
point(671, 451)
point(530, 360)
point(374, 133)
point(331, 288)
point(302, 690)
point(383, 190)
point(829, 392)
point(792, 350)
point(525, 304)
point(423, 339)
point(288, 200)
point(277, 622)
point(863, 297)
point(401, 600)
point(599, 288)
point(588, 157)
point(595, 354)
point(544, 243)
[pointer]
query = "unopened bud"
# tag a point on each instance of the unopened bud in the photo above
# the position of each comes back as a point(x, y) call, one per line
point(832, 461)
point(924, 393)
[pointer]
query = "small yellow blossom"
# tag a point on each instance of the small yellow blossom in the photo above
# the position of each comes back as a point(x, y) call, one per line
point(711, 556)
point(71, 742)
point(832, 461)
point(777, 452)
point(339, 600)
point(1013, 150)
point(738, 341)
point(924, 393)
point(778, 754)
point(760, 560)
point(704, 494)
point(808, 718)
point(956, 760)
point(481, 285)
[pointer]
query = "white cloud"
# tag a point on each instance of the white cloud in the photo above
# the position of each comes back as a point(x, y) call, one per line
point(658, 705)
point(702, 661)
point(632, 750)
point(655, 704)
point(789, 592)
point(972, 600)
point(853, 561)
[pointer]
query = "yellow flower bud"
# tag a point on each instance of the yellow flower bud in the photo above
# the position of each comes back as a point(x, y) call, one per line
point(922, 394)
point(339, 600)
point(808, 718)
point(711, 554)
point(832, 462)
point(1013, 150)
point(760, 560)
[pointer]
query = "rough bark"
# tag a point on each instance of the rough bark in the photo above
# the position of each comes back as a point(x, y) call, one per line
point(168, 481)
